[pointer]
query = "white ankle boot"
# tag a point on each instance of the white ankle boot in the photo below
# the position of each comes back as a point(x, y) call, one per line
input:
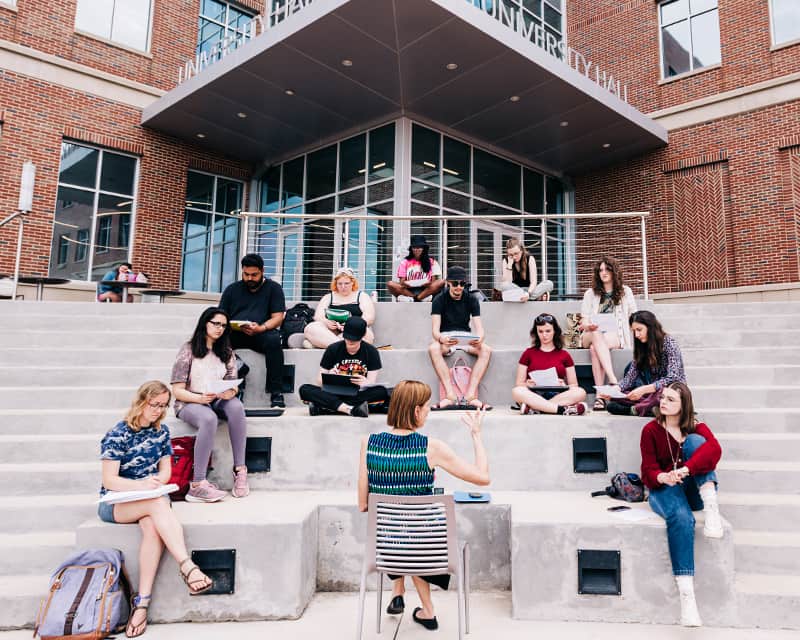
point(713, 523)
point(690, 616)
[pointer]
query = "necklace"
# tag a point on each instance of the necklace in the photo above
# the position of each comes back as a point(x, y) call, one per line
point(675, 459)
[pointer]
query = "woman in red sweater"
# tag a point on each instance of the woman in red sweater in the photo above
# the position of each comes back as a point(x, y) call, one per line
point(679, 456)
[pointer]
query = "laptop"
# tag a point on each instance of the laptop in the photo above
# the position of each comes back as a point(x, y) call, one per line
point(338, 385)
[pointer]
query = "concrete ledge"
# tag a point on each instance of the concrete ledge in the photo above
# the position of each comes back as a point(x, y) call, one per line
point(789, 291)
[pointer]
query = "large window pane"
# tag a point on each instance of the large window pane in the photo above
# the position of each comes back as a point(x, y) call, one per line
point(555, 196)
point(455, 172)
point(353, 158)
point(95, 16)
point(293, 182)
point(534, 191)
point(705, 39)
point(118, 173)
point(270, 190)
point(78, 165)
point(131, 25)
point(381, 153)
point(74, 211)
point(676, 46)
point(425, 154)
point(786, 20)
point(229, 196)
point(674, 11)
point(496, 179)
point(199, 191)
point(321, 173)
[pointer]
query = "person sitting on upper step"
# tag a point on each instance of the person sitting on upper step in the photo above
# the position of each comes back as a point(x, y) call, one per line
point(452, 312)
point(546, 353)
point(679, 456)
point(519, 275)
point(136, 455)
point(657, 362)
point(344, 301)
point(419, 276)
point(352, 357)
point(608, 299)
point(200, 368)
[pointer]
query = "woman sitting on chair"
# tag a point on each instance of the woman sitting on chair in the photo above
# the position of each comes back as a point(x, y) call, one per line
point(137, 456)
point(547, 352)
point(401, 461)
point(344, 301)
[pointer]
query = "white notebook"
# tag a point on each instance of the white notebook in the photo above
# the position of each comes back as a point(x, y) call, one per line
point(115, 497)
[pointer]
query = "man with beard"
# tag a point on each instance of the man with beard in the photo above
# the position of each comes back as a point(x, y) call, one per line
point(452, 312)
point(256, 306)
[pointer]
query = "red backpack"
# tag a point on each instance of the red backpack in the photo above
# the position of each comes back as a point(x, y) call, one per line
point(182, 465)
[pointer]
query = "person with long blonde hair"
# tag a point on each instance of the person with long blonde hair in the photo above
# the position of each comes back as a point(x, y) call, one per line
point(344, 301)
point(136, 455)
point(401, 461)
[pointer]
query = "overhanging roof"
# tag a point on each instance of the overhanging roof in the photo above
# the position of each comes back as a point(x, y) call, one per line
point(400, 49)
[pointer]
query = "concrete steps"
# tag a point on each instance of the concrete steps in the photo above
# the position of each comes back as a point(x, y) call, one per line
point(768, 601)
point(34, 553)
point(744, 374)
point(772, 552)
point(46, 513)
point(759, 476)
point(770, 512)
point(20, 596)
point(49, 478)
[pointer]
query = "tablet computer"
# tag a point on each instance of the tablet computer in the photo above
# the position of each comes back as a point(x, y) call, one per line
point(472, 496)
point(338, 385)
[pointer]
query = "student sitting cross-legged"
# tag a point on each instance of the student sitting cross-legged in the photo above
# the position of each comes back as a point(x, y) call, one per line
point(353, 357)
point(547, 353)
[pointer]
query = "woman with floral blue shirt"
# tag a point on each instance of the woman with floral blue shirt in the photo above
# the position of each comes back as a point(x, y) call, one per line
point(136, 455)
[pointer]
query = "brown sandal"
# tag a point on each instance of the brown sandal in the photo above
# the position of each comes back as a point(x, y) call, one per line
point(192, 584)
point(138, 603)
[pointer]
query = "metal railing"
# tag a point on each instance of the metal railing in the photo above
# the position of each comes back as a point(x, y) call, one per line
point(20, 233)
point(303, 251)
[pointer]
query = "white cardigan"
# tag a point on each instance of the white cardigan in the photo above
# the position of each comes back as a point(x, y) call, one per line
point(622, 311)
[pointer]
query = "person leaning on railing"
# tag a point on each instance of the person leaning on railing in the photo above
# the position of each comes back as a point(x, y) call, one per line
point(402, 461)
point(608, 295)
point(344, 301)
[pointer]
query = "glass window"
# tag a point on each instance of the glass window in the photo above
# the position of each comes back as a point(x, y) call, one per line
point(533, 184)
point(219, 20)
point(293, 182)
point(381, 153)
point(321, 173)
point(785, 20)
point(63, 248)
point(425, 146)
point(496, 179)
point(353, 158)
point(126, 22)
point(455, 169)
point(93, 210)
point(271, 190)
point(211, 233)
point(689, 35)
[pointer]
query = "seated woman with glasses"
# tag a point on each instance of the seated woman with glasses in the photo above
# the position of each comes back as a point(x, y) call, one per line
point(136, 455)
point(556, 391)
point(519, 273)
point(202, 398)
point(334, 309)
point(604, 320)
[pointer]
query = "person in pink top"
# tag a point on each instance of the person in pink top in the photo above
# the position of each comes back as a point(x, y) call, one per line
point(547, 353)
point(679, 456)
point(419, 276)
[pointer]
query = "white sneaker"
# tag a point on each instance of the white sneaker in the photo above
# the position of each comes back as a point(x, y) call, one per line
point(690, 616)
point(712, 528)
point(405, 299)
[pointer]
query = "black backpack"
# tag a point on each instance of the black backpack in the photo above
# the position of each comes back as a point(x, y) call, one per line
point(296, 320)
point(624, 486)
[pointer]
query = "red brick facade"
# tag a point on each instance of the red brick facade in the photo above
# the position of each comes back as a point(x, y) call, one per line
point(724, 195)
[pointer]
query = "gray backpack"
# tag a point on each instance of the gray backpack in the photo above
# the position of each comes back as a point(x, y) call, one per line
point(88, 599)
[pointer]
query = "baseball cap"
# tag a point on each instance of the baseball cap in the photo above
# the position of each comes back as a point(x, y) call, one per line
point(355, 328)
point(456, 273)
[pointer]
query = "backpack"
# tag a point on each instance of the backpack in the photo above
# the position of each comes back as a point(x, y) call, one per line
point(295, 320)
point(182, 466)
point(460, 375)
point(88, 598)
point(624, 486)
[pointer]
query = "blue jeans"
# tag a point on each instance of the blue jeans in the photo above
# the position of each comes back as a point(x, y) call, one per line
point(675, 505)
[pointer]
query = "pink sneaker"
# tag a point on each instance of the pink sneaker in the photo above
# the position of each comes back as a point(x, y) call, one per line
point(240, 486)
point(577, 409)
point(204, 491)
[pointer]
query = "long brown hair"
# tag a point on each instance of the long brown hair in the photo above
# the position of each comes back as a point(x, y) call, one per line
point(686, 418)
point(406, 397)
point(647, 355)
point(613, 265)
point(524, 258)
point(145, 394)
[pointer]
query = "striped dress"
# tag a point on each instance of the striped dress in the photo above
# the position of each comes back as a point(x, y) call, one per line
point(398, 465)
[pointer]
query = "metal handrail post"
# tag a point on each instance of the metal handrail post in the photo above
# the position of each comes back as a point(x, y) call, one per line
point(544, 249)
point(644, 258)
point(19, 253)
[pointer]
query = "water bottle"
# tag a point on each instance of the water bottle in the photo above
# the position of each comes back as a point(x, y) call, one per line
point(374, 296)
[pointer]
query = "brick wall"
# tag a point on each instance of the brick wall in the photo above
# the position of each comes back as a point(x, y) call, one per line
point(38, 116)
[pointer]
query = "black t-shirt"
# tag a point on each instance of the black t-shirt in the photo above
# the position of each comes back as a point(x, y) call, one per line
point(363, 361)
point(455, 314)
point(257, 306)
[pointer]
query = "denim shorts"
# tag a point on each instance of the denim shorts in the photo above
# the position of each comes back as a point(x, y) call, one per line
point(547, 395)
point(106, 512)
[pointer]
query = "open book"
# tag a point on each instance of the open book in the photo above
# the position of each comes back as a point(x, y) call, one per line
point(610, 390)
point(237, 325)
point(115, 497)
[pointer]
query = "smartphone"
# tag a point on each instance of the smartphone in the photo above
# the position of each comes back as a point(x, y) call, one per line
point(475, 494)
point(621, 507)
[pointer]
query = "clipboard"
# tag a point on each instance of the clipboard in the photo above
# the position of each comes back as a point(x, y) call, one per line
point(338, 385)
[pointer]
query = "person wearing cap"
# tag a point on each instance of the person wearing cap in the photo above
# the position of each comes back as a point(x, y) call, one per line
point(419, 275)
point(456, 310)
point(344, 301)
point(352, 357)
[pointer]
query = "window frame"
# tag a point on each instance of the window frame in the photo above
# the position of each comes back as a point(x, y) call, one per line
point(773, 43)
point(110, 39)
point(688, 19)
point(227, 28)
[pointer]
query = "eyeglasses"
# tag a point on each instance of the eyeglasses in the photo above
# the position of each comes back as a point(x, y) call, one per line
point(457, 283)
point(221, 325)
point(158, 405)
point(544, 318)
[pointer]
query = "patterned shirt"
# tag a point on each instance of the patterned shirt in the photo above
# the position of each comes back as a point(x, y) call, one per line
point(398, 465)
point(669, 370)
point(138, 452)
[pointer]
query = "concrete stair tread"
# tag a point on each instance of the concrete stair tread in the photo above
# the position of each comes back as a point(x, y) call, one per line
point(779, 436)
point(768, 584)
point(46, 467)
point(55, 437)
point(759, 499)
point(766, 538)
point(758, 465)
point(47, 501)
point(10, 541)
point(22, 586)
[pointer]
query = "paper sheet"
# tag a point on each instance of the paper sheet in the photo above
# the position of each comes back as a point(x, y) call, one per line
point(463, 338)
point(635, 515)
point(514, 295)
point(218, 386)
point(237, 325)
point(115, 497)
point(610, 390)
point(606, 322)
point(545, 377)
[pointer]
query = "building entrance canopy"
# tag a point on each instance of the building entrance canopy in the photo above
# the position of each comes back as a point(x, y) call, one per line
point(337, 66)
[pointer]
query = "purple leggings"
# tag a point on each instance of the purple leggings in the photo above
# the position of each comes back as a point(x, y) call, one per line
point(206, 420)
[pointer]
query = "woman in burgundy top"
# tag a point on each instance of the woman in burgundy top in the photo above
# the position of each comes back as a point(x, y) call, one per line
point(679, 456)
point(547, 353)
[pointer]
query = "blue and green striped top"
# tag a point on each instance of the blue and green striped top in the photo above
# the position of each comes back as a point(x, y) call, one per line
point(398, 465)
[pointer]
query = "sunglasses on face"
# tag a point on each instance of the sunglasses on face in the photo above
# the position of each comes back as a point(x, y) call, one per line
point(220, 325)
point(545, 318)
point(457, 283)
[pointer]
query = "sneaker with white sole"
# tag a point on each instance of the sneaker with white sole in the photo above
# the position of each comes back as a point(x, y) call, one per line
point(405, 299)
point(204, 491)
point(241, 488)
point(577, 409)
